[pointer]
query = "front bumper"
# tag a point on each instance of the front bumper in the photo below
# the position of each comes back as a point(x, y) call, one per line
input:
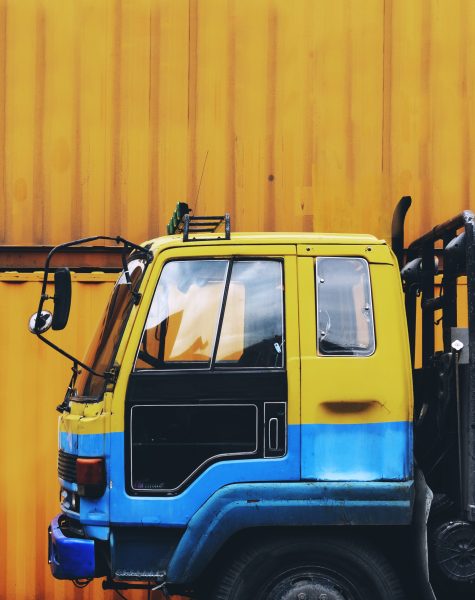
point(70, 557)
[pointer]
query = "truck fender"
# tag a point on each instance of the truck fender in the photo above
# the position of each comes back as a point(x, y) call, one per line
point(237, 507)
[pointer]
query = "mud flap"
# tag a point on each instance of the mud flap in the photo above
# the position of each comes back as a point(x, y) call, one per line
point(422, 504)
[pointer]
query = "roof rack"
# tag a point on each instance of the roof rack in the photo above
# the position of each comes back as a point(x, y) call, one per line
point(183, 222)
point(206, 225)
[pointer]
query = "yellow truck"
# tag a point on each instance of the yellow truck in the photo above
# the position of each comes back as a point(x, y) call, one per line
point(243, 425)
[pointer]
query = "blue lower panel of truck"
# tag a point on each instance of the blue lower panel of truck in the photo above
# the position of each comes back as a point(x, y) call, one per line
point(148, 551)
point(184, 553)
point(360, 452)
point(243, 506)
point(356, 475)
point(357, 452)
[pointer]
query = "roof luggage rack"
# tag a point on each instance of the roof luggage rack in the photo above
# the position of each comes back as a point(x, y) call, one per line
point(183, 222)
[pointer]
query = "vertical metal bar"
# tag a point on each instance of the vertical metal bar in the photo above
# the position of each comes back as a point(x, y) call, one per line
point(397, 228)
point(186, 227)
point(410, 301)
point(427, 294)
point(449, 291)
point(468, 502)
point(227, 283)
point(460, 435)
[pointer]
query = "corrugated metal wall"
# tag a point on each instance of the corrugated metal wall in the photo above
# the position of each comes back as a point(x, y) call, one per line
point(34, 379)
point(309, 114)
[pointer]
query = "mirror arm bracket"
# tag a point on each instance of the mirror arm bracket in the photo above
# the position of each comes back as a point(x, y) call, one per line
point(118, 240)
point(70, 392)
point(127, 245)
point(72, 358)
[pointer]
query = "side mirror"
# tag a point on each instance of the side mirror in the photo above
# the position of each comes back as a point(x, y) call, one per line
point(411, 273)
point(39, 323)
point(62, 298)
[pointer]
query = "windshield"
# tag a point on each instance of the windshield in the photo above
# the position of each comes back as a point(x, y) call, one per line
point(103, 348)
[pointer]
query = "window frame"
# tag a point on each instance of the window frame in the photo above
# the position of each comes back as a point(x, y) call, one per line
point(212, 364)
point(372, 330)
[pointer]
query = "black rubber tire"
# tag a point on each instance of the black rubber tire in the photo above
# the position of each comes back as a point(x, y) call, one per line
point(263, 571)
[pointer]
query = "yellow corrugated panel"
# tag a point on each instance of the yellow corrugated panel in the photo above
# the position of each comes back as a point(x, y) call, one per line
point(33, 382)
point(308, 114)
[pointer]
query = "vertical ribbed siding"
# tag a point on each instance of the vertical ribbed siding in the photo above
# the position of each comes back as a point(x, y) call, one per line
point(306, 115)
point(33, 382)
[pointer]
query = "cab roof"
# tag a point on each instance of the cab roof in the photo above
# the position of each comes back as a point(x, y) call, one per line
point(172, 241)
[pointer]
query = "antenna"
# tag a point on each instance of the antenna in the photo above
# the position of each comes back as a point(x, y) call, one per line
point(201, 179)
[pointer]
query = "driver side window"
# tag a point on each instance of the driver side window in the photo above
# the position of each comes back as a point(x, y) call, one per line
point(210, 313)
point(183, 318)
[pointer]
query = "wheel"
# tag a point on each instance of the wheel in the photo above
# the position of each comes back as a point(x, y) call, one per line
point(452, 560)
point(306, 568)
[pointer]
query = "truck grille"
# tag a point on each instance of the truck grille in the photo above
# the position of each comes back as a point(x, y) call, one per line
point(67, 466)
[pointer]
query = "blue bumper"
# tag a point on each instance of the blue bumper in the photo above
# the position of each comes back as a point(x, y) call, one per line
point(69, 557)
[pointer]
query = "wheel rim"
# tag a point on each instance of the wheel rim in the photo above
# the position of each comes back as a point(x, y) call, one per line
point(310, 583)
point(455, 550)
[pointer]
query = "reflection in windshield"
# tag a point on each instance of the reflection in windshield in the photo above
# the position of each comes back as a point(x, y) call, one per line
point(184, 329)
point(103, 348)
point(252, 332)
point(182, 322)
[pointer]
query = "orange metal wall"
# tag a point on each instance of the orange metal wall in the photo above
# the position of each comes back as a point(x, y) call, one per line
point(33, 382)
point(309, 114)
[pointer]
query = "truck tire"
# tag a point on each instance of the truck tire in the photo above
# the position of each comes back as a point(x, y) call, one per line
point(309, 568)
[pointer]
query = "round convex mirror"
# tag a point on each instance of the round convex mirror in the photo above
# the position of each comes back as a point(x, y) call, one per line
point(40, 323)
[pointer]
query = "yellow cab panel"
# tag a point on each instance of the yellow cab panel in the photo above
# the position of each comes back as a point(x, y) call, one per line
point(357, 396)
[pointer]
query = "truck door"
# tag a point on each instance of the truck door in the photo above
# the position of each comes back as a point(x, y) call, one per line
point(215, 382)
point(356, 378)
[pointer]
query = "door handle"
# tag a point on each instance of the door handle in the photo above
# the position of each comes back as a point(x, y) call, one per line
point(273, 441)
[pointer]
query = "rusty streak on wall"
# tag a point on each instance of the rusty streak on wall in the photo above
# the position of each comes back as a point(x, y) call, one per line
point(310, 114)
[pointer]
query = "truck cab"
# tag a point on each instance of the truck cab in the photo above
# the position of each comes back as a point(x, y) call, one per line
point(242, 424)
